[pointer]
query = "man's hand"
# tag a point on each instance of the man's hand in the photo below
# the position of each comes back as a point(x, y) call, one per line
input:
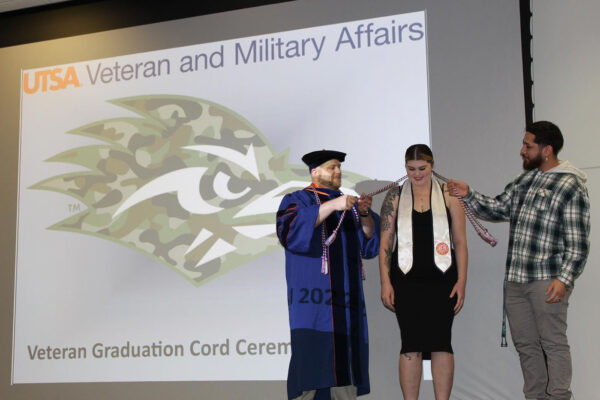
point(344, 202)
point(556, 291)
point(341, 203)
point(364, 203)
point(457, 188)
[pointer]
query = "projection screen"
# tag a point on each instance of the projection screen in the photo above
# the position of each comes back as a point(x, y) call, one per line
point(161, 173)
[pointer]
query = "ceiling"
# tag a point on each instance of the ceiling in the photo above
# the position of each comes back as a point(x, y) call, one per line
point(11, 5)
point(28, 21)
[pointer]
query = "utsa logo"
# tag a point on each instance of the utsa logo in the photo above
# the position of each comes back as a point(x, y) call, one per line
point(189, 183)
point(50, 79)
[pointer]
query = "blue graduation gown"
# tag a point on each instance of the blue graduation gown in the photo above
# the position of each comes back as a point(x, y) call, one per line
point(328, 321)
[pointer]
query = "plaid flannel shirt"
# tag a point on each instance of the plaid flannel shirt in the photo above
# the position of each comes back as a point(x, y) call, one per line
point(549, 225)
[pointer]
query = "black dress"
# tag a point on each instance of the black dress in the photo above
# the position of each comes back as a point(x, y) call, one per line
point(424, 309)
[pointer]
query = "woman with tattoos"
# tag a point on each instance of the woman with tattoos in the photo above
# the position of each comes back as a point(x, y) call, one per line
point(423, 268)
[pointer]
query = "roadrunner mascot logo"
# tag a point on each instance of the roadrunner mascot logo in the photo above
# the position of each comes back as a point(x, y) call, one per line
point(189, 183)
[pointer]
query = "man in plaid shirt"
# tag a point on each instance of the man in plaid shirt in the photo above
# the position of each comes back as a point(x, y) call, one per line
point(548, 210)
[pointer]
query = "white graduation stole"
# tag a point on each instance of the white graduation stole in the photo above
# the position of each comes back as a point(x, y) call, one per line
point(441, 231)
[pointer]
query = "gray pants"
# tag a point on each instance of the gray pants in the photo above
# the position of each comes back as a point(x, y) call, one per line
point(539, 332)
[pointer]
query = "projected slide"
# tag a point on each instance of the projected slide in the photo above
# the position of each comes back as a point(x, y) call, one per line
point(148, 186)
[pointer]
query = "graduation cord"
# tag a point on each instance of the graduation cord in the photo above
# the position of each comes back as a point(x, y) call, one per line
point(327, 242)
point(503, 342)
point(325, 253)
point(333, 235)
point(479, 228)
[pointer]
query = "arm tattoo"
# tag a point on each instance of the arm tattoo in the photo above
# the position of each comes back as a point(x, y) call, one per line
point(388, 258)
point(387, 209)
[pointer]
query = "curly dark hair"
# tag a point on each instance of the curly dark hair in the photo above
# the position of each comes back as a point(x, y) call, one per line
point(546, 134)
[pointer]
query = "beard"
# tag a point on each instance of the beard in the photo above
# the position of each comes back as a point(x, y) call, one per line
point(532, 163)
point(330, 182)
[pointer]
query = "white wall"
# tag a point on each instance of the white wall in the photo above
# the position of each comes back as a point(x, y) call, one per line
point(566, 85)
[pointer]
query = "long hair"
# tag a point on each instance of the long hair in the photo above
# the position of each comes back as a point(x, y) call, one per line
point(419, 152)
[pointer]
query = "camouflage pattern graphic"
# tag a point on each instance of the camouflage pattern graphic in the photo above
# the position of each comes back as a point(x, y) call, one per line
point(189, 183)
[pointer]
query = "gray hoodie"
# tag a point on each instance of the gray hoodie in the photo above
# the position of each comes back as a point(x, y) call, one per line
point(565, 167)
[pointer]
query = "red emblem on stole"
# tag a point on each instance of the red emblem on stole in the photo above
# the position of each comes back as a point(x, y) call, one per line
point(442, 249)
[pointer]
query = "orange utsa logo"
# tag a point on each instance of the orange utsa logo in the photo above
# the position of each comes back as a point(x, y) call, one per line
point(50, 79)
